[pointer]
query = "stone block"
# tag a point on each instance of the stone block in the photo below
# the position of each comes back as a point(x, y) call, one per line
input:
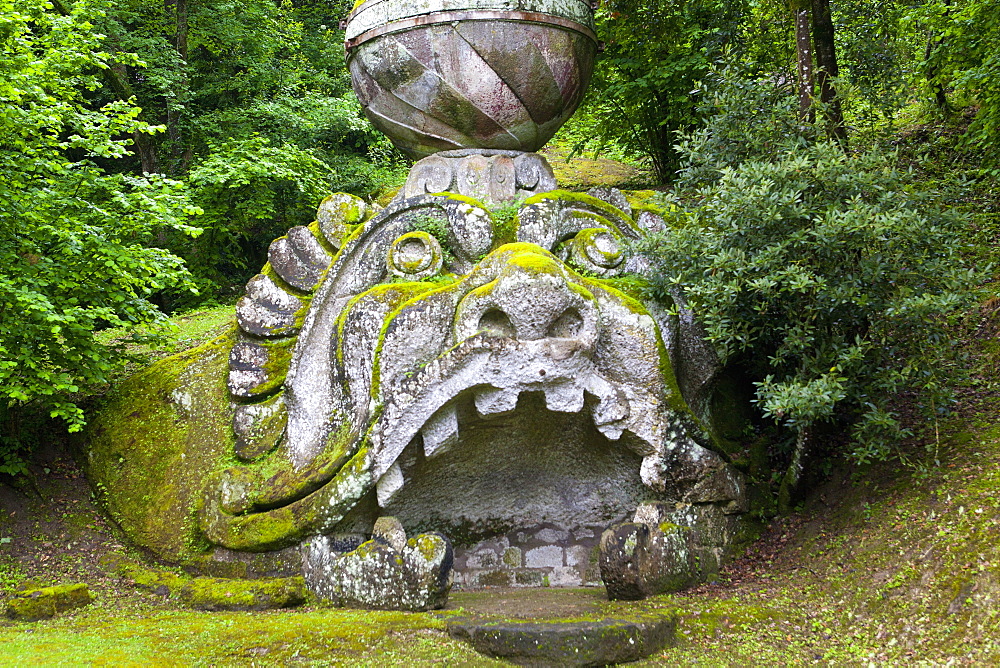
point(529, 578)
point(577, 555)
point(550, 535)
point(546, 556)
point(495, 579)
point(565, 576)
point(585, 643)
point(47, 602)
point(482, 559)
point(512, 557)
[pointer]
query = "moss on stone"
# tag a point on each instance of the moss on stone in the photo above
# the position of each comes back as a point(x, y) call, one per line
point(34, 604)
point(465, 199)
point(214, 593)
point(601, 208)
point(426, 543)
point(394, 294)
point(351, 210)
point(643, 200)
point(225, 594)
point(315, 499)
point(321, 238)
point(279, 359)
point(269, 271)
point(155, 440)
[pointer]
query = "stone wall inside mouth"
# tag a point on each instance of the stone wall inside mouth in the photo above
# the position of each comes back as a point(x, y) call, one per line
point(523, 496)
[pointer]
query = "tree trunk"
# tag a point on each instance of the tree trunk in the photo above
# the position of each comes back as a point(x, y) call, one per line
point(803, 52)
point(934, 42)
point(116, 78)
point(826, 63)
point(179, 9)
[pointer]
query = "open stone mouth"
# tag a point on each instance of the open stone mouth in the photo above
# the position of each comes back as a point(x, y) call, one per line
point(492, 374)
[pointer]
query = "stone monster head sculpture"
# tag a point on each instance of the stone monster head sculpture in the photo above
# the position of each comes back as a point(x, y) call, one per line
point(495, 377)
point(466, 373)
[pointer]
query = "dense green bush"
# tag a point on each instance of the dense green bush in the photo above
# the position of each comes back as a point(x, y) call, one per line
point(77, 245)
point(260, 121)
point(825, 275)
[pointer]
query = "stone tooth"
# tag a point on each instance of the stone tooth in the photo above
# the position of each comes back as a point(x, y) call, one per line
point(390, 483)
point(613, 407)
point(441, 430)
point(564, 398)
point(611, 431)
point(493, 401)
point(652, 472)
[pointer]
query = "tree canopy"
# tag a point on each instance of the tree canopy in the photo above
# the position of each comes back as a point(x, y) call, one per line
point(151, 150)
point(74, 238)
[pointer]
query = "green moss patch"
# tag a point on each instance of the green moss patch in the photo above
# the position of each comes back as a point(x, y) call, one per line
point(35, 604)
point(154, 442)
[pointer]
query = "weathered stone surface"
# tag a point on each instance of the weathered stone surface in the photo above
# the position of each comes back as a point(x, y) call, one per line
point(650, 222)
point(258, 367)
point(35, 604)
point(584, 643)
point(491, 176)
point(390, 531)
point(505, 393)
point(375, 13)
point(259, 427)
point(298, 258)
point(215, 593)
point(415, 255)
point(624, 561)
point(445, 75)
point(338, 215)
point(384, 573)
point(267, 310)
point(228, 594)
point(612, 196)
point(665, 549)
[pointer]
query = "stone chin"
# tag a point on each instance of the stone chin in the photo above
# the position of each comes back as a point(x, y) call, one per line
point(467, 375)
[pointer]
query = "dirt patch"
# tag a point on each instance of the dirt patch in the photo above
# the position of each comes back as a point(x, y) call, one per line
point(52, 533)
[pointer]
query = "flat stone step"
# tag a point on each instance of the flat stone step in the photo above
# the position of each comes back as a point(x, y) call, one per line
point(556, 627)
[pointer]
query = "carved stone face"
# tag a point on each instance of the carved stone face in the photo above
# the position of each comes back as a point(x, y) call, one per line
point(468, 374)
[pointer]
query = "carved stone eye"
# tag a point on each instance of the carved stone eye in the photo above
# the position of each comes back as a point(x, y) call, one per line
point(415, 255)
point(596, 249)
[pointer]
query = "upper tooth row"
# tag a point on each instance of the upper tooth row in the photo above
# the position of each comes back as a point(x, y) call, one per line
point(441, 430)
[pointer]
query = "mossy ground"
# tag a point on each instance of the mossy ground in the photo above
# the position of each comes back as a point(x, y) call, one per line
point(889, 566)
point(588, 170)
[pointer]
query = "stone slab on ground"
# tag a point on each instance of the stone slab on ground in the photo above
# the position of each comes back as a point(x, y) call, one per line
point(565, 627)
point(575, 643)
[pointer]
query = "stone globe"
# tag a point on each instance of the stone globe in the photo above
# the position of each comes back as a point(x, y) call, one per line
point(438, 75)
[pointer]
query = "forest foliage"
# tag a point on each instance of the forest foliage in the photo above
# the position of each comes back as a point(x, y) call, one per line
point(150, 151)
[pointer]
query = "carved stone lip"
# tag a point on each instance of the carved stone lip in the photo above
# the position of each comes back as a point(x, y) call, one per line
point(373, 13)
point(467, 15)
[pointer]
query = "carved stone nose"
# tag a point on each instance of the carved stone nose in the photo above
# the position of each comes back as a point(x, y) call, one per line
point(530, 298)
point(496, 322)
